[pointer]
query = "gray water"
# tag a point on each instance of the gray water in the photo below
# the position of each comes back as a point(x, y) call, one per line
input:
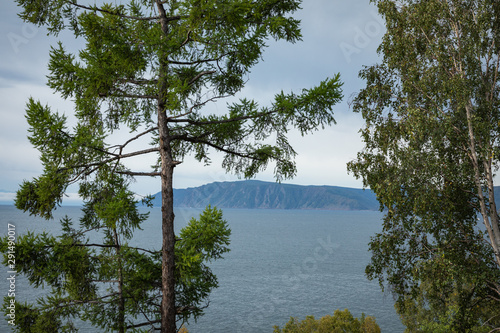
point(282, 263)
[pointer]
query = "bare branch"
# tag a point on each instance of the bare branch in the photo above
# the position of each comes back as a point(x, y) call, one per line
point(145, 324)
point(190, 63)
point(188, 38)
point(135, 138)
point(173, 118)
point(118, 157)
point(197, 77)
point(135, 173)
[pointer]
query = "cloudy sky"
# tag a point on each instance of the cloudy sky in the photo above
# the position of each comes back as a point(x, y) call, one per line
point(339, 36)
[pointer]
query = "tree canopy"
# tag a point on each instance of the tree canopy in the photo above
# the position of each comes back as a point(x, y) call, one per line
point(341, 321)
point(152, 67)
point(431, 109)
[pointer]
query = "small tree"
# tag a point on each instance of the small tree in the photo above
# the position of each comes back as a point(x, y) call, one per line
point(152, 67)
point(96, 276)
point(431, 148)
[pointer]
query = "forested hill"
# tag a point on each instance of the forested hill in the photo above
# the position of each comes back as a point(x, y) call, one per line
point(268, 195)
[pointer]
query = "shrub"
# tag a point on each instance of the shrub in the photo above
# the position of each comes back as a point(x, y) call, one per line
point(340, 322)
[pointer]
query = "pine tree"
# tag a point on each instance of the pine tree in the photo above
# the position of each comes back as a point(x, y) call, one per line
point(152, 67)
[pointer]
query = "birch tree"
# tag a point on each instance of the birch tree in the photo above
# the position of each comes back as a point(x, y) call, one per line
point(432, 117)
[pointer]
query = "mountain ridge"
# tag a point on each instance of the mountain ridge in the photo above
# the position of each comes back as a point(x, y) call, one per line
point(255, 194)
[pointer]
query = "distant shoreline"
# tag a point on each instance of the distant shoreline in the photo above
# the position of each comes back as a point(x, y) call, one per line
point(255, 194)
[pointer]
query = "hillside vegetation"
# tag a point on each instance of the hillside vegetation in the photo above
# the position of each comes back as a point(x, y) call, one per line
point(253, 194)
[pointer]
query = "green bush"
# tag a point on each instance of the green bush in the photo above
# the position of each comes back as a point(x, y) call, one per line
point(341, 321)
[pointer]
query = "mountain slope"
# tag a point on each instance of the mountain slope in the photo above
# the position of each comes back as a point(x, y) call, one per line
point(266, 195)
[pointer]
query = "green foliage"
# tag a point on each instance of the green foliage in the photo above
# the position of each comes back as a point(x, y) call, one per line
point(89, 279)
point(450, 298)
point(201, 241)
point(118, 80)
point(151, 68)
point(341, 321)
point(431, 113)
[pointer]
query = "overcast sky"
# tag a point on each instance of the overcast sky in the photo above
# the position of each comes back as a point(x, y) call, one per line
point(339, 36)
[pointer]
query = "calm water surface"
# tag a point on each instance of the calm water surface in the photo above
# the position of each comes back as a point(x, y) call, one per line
point(282, 263)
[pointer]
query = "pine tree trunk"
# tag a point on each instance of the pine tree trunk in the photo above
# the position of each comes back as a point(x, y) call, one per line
point(121, 302)
point(168, 310)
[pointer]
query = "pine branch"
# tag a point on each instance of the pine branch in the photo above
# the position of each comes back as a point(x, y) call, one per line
point(134, 138)
point(140, 18)
point(135, 173)
point(149, 322)
point(217, 147)
point(191, 63)
point(105, 246)
point(78, 302)
point(223, 121)
point(117, 157)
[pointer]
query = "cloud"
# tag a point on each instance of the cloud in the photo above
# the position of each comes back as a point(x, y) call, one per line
point(327, 25)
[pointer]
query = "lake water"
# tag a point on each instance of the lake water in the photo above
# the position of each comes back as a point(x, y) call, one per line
point(282, 263)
